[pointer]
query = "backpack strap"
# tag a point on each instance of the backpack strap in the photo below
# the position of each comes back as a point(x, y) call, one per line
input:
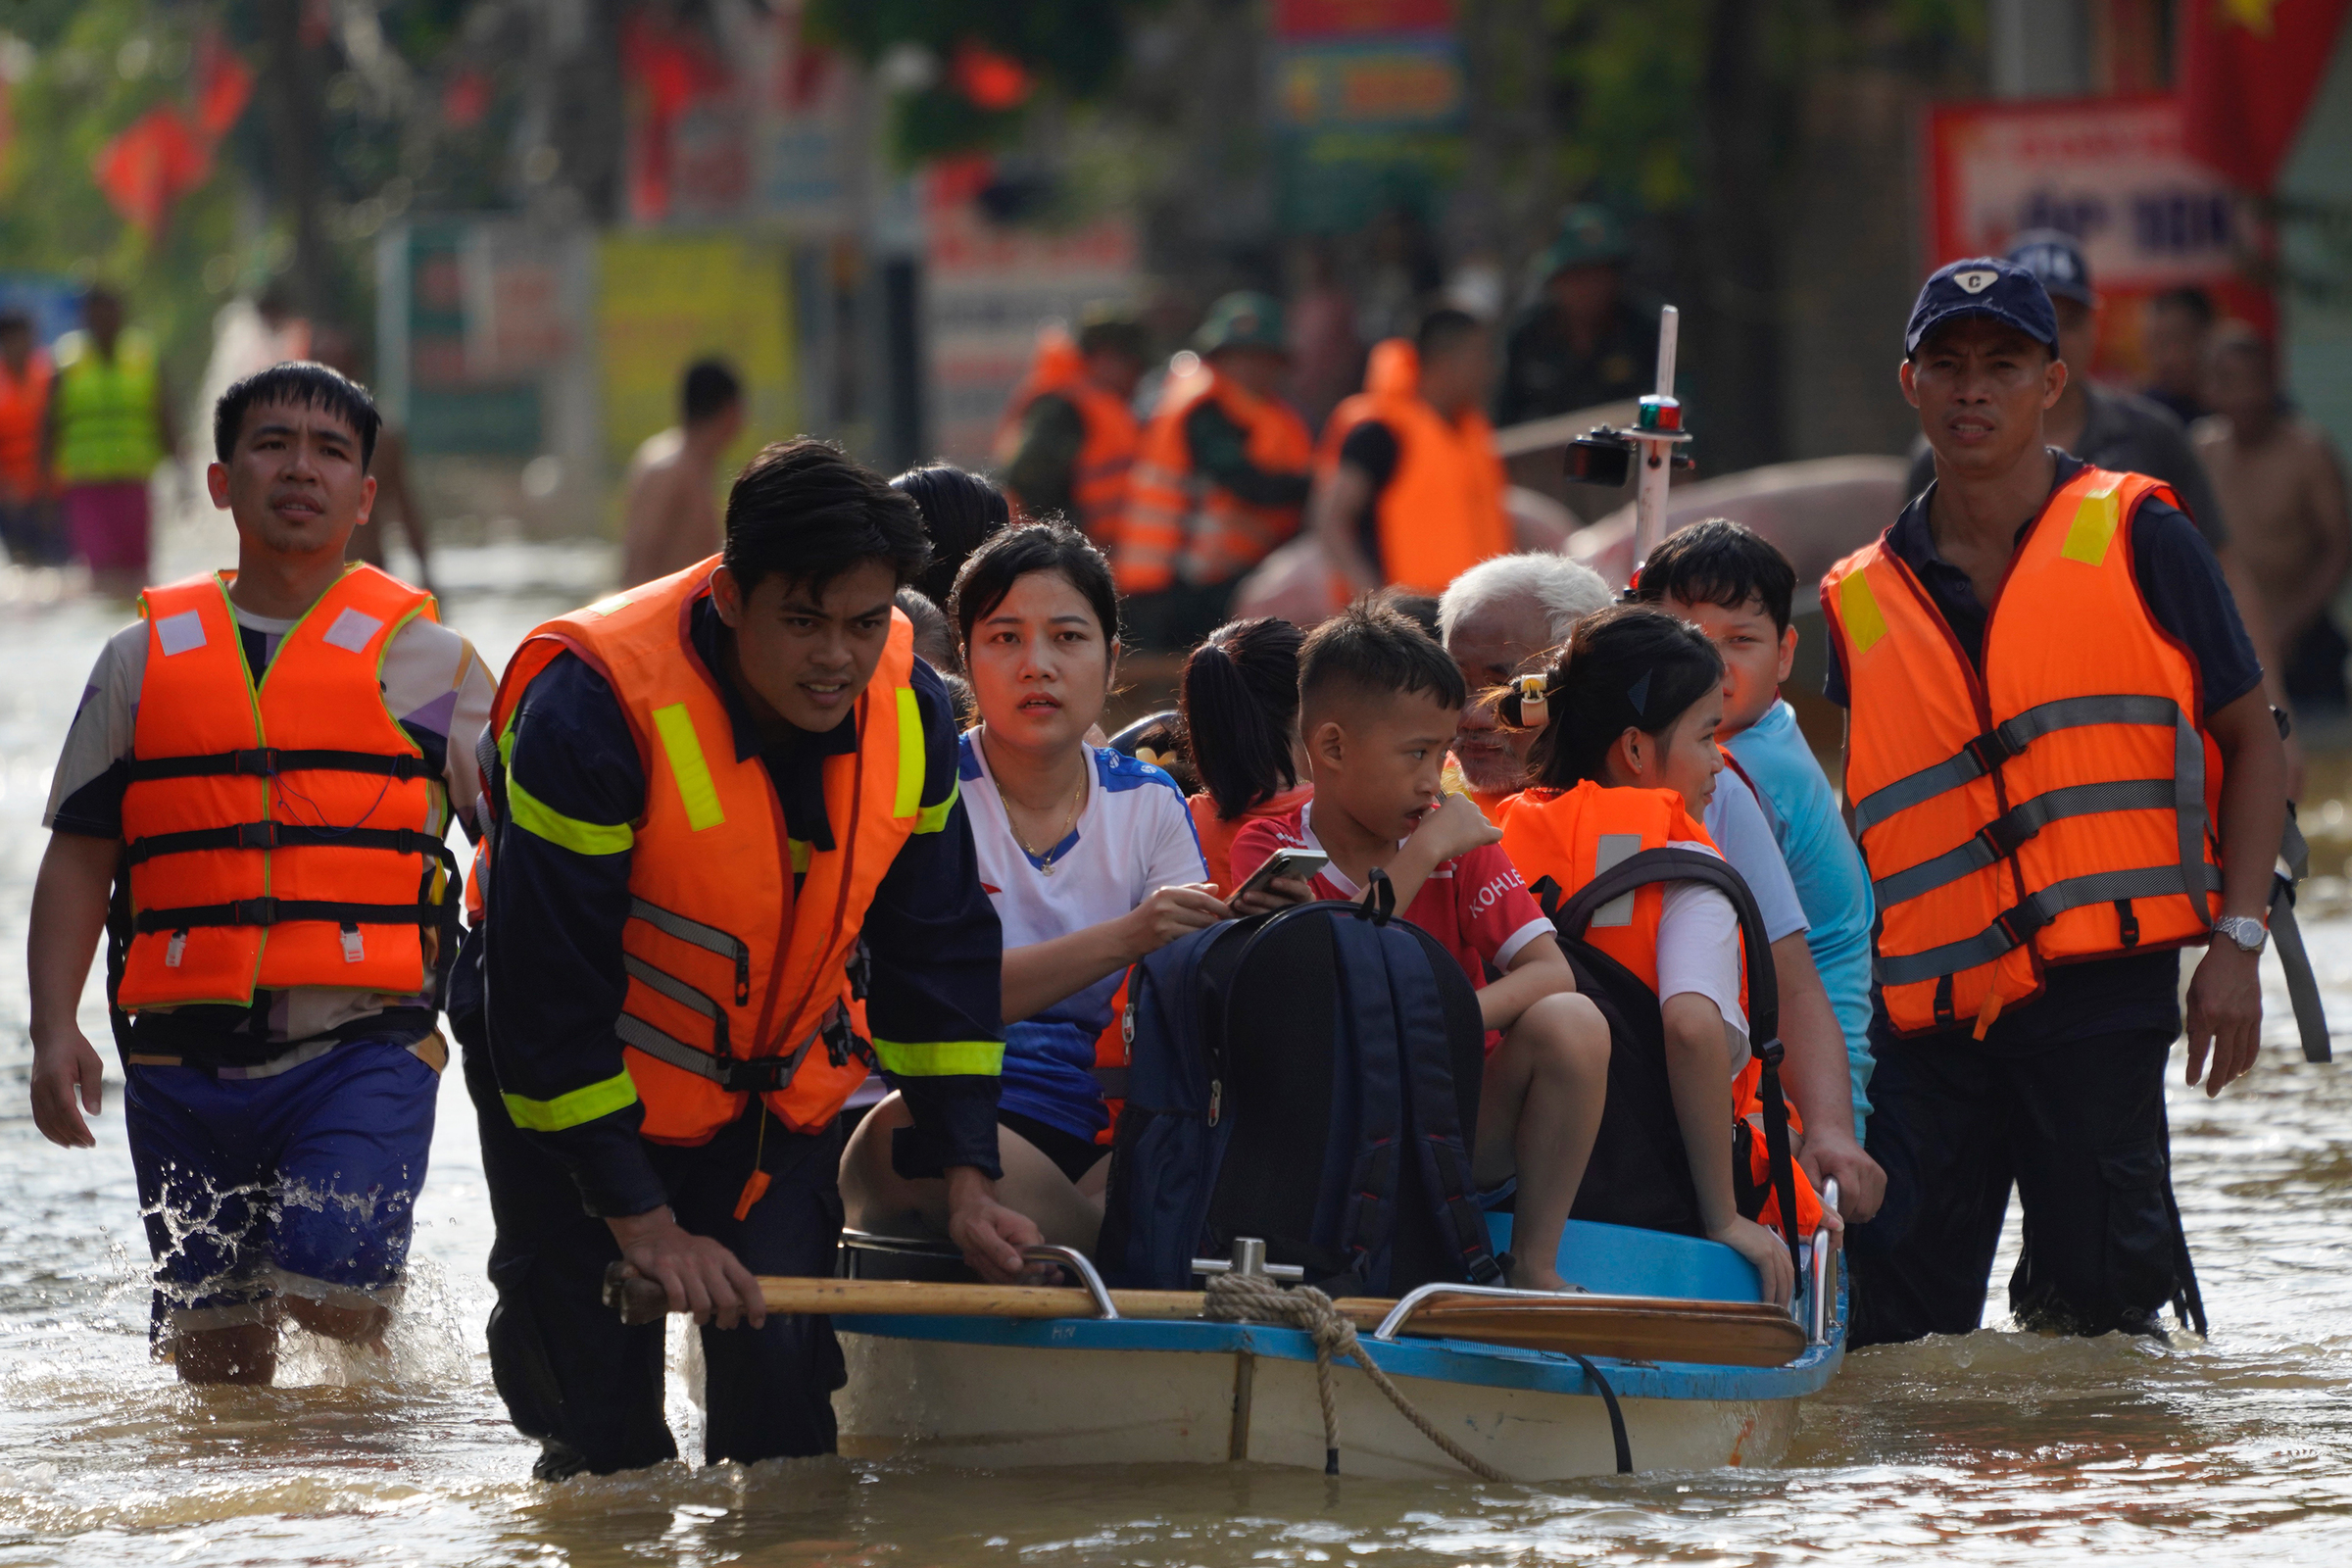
point(1371, 1046)
point(1438, 1141)
point(1763, 985)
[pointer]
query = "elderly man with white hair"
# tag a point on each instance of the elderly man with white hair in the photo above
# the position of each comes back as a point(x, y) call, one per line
point(1500, 619)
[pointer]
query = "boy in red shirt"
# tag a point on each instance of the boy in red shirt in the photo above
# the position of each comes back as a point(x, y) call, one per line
point(1378, 701)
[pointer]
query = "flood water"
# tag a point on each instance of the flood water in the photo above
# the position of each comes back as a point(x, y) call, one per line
point(1997, 1447)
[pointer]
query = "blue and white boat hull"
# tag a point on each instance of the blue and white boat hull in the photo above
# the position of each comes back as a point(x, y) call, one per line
point(989, 1393)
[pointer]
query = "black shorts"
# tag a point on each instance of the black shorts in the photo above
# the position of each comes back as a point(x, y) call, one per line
point(1075, 1156)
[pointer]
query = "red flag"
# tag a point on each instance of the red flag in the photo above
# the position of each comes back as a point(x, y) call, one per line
point(153, 161)
point(988, 80)
point(223, 87)
point(2248, 69)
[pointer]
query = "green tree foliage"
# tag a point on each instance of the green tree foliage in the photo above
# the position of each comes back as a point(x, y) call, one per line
point(97, 66)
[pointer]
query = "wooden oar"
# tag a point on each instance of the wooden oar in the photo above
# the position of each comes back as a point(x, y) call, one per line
point(1632, 1328)
point(1629, 1328)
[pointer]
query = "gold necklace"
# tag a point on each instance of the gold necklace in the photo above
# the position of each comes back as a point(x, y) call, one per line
point(1045, 861)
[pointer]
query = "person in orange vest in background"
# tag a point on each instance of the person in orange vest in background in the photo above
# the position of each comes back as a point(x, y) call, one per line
point(262, 771)
point(1221, 479)
point(1409, 487)
point(1069, 435)
point(2061, 769)
point(727, 867)
point(27, 527)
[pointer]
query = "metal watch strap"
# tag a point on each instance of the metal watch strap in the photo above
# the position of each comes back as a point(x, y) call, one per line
point(2245, 933)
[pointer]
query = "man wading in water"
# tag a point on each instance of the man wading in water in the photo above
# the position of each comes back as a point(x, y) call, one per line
point(2044, 667)
point(261, 773)
point(729, 867)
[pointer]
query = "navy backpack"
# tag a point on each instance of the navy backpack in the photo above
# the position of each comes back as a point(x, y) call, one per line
point(1310, 1078)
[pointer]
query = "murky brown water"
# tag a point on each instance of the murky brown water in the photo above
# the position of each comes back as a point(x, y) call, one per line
point(1999, 1448)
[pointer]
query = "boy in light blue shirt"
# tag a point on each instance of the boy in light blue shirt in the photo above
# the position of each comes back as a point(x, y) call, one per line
point(1736, 587)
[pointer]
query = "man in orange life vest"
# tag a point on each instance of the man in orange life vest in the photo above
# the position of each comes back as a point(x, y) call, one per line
point(262, 770)
point(1069, 435)
point(728, 868)
point(1219, 479)
point(1409, 487)
point(2062, 769)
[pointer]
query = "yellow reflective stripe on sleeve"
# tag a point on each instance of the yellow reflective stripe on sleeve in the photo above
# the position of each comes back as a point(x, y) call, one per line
point(942, 1058)
point(931, 818)
point(910, 754)
point(684, 748)
point(800, 850)
point(1858, 609)
point(542, 820)
point(569, 1111)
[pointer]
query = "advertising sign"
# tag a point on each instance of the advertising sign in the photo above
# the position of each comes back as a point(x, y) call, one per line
point(1370, 97)
point(736, 119)
point(989, 287)
point(465, 384)
point(2114, 173)
point(666, 300)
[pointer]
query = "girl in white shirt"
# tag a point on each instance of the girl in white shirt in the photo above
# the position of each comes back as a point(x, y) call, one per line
point(1089, 858)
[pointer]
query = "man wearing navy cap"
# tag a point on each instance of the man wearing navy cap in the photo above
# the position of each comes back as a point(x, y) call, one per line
point(2112, 429)
point(2042, 665)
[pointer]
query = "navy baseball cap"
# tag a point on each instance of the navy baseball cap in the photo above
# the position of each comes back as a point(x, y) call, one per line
point(1983, 285)
point(2053, 256)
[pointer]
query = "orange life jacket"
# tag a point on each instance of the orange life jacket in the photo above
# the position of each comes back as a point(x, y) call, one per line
point(2053, 806)
point(1442, 510)
point(24, 406)
point(728, 962)
point(1572, 836)
point(1099, 485)
point(1181, 525)
point(280, 833)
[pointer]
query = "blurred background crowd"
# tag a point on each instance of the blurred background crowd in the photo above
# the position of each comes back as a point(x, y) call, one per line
point(591, 253)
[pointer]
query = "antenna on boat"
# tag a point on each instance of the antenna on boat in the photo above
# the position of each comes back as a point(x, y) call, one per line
point(1605, 456)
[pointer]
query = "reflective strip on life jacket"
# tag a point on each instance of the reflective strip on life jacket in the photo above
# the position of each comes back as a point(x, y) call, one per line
point(2054, 804)
point(1099, 480)
point(1180, 525)
point(735, 974)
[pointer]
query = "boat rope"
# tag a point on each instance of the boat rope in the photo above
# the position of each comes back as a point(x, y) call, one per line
point(1237, 1298)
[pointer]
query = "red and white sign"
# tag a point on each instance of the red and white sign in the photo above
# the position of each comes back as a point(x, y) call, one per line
point(990, 286)
point(2116, 173)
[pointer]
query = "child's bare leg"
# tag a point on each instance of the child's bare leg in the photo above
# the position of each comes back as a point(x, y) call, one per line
point(1539, 1113)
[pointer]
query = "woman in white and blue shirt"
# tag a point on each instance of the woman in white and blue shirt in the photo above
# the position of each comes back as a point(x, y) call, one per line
point(1089, 856)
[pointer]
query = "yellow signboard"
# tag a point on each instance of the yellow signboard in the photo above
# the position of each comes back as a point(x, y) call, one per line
point(664, 300)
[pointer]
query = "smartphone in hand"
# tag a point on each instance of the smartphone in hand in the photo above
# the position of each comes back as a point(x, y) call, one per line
point(1300, 864)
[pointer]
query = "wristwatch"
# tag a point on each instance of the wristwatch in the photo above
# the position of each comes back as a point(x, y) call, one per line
point(2243, 930)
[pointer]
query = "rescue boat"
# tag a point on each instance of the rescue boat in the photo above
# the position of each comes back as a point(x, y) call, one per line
point(991, 1393)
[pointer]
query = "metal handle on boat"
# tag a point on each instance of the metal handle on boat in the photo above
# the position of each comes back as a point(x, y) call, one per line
point(1824, 1281)
point(1082, 1270)
point(1249, 1259)
point(1393, 1324)
point(1069, 1257)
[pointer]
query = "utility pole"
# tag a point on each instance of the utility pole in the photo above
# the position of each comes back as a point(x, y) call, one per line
point(291, 77)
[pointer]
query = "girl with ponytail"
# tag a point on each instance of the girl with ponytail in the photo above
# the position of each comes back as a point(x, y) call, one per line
point(1239, 697)
point(1628, 757)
